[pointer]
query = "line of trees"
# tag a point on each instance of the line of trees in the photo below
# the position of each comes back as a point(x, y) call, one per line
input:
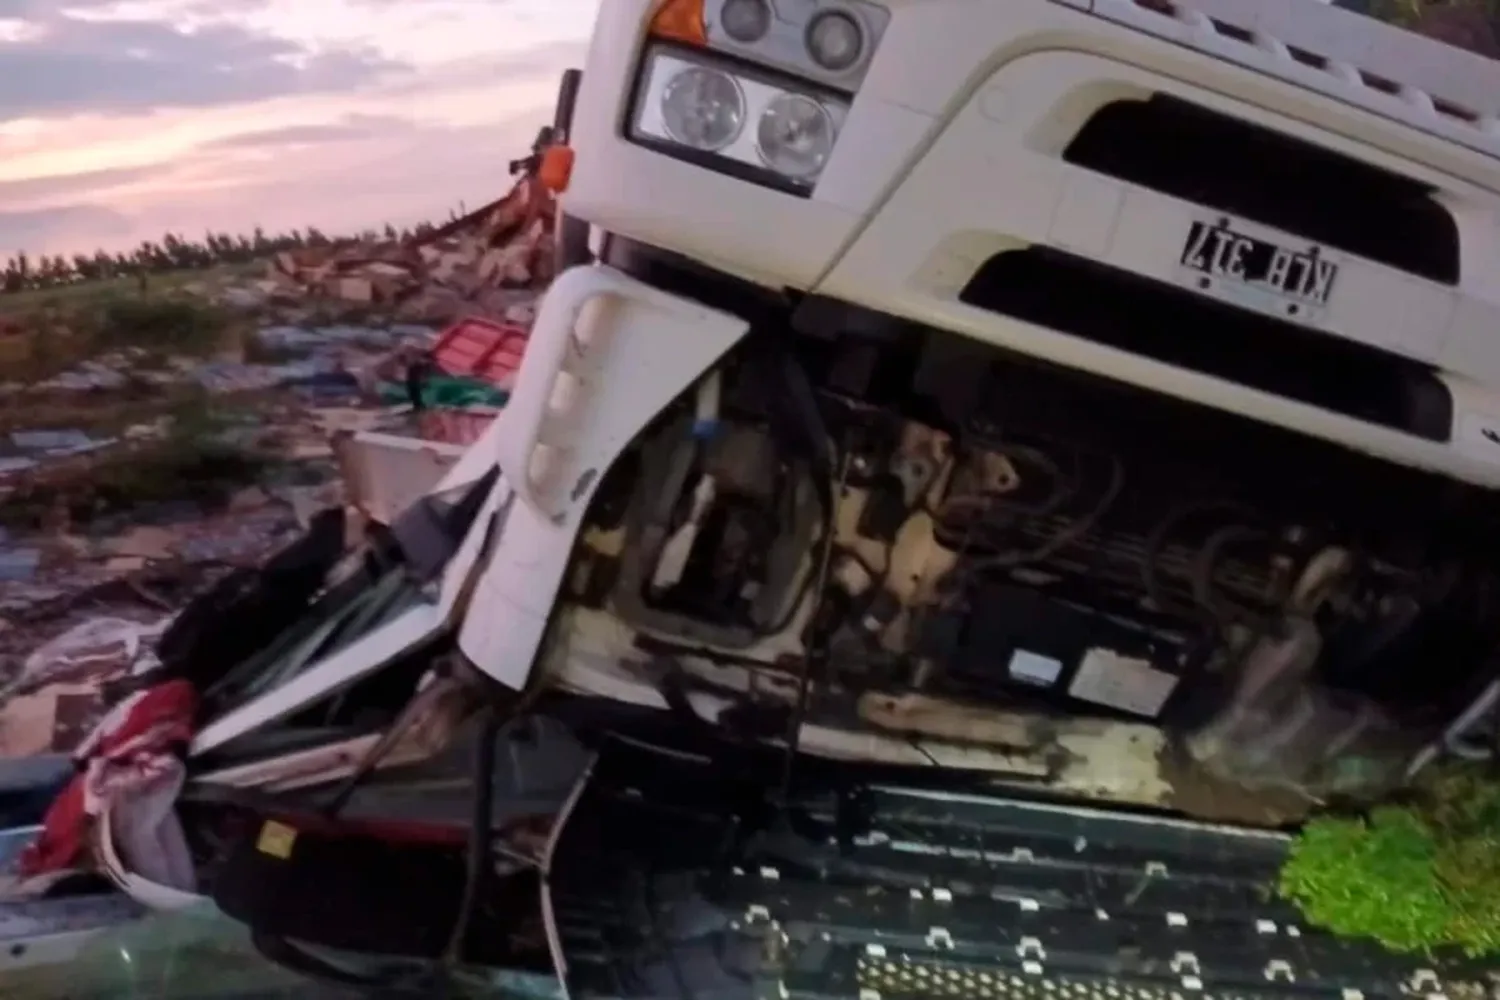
point(173, 252)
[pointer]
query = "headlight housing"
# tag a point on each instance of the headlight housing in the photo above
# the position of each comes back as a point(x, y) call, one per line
point(835, 40)
point(743, 120)
point(795, 135)
point(746, 21)
point(703, 108)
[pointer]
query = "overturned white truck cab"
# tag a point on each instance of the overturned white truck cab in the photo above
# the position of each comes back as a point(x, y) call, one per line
point(1099, 397)
point(1101, 394)
point(983, 463)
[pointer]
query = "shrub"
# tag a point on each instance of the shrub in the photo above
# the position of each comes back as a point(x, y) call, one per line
point(168, 325)
point(1421, 876)
point(190, 463)
point(175, 469)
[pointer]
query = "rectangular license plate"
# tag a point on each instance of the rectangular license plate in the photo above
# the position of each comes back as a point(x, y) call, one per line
point(1220, 252)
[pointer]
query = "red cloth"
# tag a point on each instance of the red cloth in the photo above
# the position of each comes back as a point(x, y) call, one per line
point(136, 744)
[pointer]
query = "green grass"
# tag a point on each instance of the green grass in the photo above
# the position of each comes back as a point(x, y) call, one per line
point(129, 479)
point(189, 463)
point(174, 315)
point(85, 293)
point(161, 326)
point(1418, 877)
point(181, 326)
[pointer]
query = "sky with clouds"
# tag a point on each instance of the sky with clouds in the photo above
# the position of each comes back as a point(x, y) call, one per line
point(122, 119)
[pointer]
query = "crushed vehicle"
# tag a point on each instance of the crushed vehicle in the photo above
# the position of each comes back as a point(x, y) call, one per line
point(1105, 407)
point(980, 472)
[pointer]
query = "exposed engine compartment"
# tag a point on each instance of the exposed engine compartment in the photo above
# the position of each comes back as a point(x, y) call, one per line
point(925, 517)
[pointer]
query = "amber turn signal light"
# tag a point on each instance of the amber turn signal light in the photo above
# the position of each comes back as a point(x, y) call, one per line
point(556, 168)
point(679, 21)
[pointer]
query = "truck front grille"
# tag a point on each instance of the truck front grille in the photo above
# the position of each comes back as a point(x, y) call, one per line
point(1180, 149)
point(1110, 306)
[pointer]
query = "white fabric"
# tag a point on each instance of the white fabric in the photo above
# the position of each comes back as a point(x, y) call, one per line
point(147, 833)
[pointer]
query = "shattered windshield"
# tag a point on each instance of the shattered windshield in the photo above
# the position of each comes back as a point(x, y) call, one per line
point(430, 532)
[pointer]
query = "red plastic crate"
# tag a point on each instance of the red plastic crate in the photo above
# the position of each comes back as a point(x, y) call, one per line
point(482, 349)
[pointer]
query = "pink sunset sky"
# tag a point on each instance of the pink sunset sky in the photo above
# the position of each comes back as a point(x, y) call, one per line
point(123, 119)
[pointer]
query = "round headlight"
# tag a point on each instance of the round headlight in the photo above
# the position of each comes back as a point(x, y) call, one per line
point(795, 135)
point(746, 21)
point(835, 40)
point(703, 108)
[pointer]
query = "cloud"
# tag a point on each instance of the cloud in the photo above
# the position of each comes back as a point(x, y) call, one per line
point(413, 173)
point(351, 128)
point(33, 8)
point(70, 65)
point(344, 187)
point(43, 226)
point(135, 138)
point(66, 185)
point(548, 59)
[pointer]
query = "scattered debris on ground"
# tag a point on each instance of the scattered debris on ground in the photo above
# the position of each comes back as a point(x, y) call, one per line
point(150, 468)
point(222, 465)
point(159, 443)
point(487, 263)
